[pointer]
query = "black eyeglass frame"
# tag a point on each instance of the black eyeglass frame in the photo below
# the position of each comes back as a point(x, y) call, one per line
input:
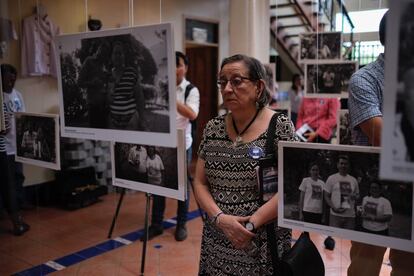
point(222, 83)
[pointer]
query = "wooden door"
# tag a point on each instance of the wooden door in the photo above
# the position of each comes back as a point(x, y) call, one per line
point(202, 72)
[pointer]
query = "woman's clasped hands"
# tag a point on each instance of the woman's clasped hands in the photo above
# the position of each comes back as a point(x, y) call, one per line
point(234, 229)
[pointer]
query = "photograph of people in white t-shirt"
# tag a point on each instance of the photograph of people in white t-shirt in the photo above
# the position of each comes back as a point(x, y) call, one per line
point(352, 207)
point(376, 211)
point(320, 46)
point(155, 167)
point(137, 159)
point(341, 192)
point(37, 139)
point(311, 196)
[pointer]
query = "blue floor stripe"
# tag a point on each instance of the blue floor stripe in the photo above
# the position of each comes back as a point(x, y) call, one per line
point(134, 236)
point(90, 252)
point(95, 250)
point(99, 249)
point(39, 270)
point(109, 245)
point(69, 260)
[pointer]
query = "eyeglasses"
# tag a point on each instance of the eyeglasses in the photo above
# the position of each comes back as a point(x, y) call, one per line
point(235, 82)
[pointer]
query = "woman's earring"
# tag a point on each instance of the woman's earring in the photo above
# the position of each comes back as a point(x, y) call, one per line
point(257, 99)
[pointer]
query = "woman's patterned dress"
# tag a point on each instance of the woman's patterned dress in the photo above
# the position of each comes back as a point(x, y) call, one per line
point(231, 175)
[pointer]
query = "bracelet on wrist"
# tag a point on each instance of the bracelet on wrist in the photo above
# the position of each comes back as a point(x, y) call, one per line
point(215, 218)
point(218, 219)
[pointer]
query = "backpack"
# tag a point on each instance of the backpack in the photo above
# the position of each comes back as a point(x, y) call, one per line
point(193, 122)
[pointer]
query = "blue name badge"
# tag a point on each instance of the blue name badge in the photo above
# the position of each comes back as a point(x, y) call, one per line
point(255, 152)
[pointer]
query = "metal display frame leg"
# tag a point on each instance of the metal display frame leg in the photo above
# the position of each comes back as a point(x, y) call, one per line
point(144, 246)
point(121, 198)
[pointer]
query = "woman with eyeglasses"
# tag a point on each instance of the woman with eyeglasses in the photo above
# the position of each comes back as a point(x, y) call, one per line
point(234, 240)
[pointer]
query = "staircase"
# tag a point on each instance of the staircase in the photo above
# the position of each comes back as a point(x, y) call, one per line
point(289, 18)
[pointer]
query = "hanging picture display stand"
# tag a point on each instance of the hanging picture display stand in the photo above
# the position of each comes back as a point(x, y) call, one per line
point(126, 162)
point(144, 247)
point(118, 206)
point(146, 225)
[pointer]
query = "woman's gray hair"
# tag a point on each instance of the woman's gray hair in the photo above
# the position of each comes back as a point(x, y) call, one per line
point(256, 72)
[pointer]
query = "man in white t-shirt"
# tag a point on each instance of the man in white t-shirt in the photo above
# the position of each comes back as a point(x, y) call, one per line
point(341, 192)
point(376, 211)
point(328, 79)
point(187, 109)
point(155, 167)
point(323, 51)
point(137, 158)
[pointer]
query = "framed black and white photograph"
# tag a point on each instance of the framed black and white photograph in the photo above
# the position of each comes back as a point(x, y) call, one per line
point(324, 46)
point(119, 85)
point(328, 80)
point(152, 169)
point(397, 156)
point(37, 139)
point(343, 128)
point(336, 190)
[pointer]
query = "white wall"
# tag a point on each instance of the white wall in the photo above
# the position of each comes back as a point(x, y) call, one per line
point(174, 11)
point(249, 28)
point(40, 93)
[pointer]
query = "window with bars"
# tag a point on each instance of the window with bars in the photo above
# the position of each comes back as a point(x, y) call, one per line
point(366, 51)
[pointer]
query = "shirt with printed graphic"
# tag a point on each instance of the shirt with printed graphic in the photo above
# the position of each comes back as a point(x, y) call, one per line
point(154, 170)
point(313, 199)
point(13, 103)
point(375, 207)
point(343, 191)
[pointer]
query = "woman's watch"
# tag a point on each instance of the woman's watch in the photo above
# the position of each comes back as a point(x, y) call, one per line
point(215, 218)
point(250, 226)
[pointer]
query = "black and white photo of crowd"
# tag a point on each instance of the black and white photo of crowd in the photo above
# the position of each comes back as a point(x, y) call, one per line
point(117, 82)
point(328, 79)
point(320, 46)
point(36, 139)
point(146, 164)
point(343, 131)
point(404, 127)
point(341, 189)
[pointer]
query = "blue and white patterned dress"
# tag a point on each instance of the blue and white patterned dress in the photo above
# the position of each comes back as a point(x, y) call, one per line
point(232, 180)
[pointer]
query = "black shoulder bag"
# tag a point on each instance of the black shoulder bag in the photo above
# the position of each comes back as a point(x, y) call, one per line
point(303, 258)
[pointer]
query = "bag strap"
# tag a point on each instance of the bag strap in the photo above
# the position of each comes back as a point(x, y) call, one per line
point(272, 247)
point(270, 141)
point(189, 87)
point(270, 228)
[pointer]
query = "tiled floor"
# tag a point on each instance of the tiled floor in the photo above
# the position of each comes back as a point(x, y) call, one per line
point(55, 233)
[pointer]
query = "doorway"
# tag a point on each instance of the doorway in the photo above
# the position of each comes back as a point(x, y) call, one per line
point(202, 72)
